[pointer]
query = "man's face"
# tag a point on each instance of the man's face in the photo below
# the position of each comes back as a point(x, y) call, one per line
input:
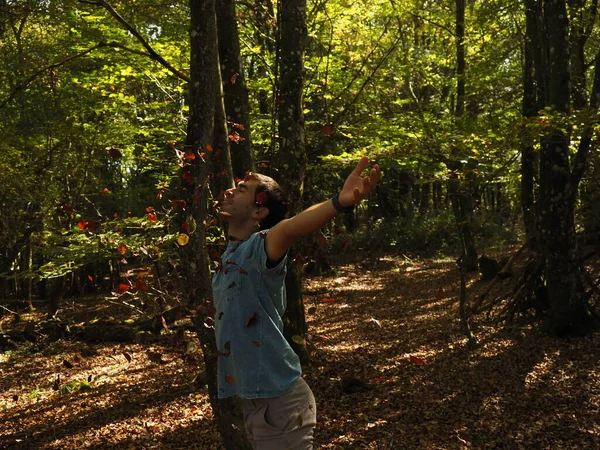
point(239, 202)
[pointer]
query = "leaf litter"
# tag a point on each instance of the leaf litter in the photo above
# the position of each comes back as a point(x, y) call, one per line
point(391, 369)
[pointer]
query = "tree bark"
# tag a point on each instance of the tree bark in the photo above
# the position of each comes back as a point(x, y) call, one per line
point(292, 158)
point(237, 108)
point(568, 314)
point(204, 92)
point(528, 155)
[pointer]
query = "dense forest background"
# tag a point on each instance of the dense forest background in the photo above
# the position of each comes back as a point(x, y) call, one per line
point(121, 123)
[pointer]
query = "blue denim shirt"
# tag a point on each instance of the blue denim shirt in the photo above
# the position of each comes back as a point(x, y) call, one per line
point(255, 360)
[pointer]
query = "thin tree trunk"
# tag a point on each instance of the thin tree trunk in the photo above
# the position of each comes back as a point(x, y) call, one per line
point(292, 158)
point(528, 154)
point(204, 89)
point(568, 314)
point(237, 108)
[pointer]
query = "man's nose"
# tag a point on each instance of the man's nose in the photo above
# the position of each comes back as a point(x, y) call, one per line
point(229, 192)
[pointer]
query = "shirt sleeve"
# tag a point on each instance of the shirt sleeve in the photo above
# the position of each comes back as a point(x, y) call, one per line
point(259, 258)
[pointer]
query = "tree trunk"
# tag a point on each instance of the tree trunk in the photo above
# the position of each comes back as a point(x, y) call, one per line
point(460, 58)
point(528, 155)
point(204, 89)
point(292, 158)
point(568, 314)
point(237, 108)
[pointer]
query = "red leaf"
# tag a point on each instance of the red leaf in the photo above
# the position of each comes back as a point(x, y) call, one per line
point(114, 152)
point(251, 320)
point(91, 278)
point(234, 78)
point(81, 224)
point(185, 226)
point(235, 137)
point(104, 191)
point(327, 300)
point(243, 272)
point(178, 205)
point(261, 198)
point(189, 155)
point(122, 288)
point(152, 217)
point(229, 379)
point(149, 209)
point(92, 225)
point(327, 129)
point(141, 285)
point(262, 165)
point(209, 148)
point(415, 359)
point(122, 249)
point(188, 178)
point(256, 344)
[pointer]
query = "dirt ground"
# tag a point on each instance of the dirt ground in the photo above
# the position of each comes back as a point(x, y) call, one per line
point(388, 324)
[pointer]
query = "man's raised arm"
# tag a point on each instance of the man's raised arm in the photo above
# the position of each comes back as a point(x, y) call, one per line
point(283, 235)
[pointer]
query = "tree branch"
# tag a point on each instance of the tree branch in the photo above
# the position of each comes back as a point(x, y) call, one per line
point(152, 53)
point(37, 73)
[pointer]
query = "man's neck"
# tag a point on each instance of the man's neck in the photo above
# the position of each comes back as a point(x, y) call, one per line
point(238, 232)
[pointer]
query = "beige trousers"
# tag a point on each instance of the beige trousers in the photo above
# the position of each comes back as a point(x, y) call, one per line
point(282, 423)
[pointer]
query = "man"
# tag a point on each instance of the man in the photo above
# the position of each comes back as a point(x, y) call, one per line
point(255, 361)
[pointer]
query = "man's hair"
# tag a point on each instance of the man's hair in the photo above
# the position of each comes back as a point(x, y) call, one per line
point(275, 200)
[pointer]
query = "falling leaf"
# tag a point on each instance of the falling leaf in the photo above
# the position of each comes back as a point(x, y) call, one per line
point(15, 397)
point(231, 261)
point(91, 278)
point(209, 148)
point(262, 165)
point(229, 379)
point(92, 225)
point(114, 152)
point(178, 205)
point(149, 209)
point(164, 323)
point(152, 217)
point(327, 129)
point(416, 360)
point(185, 226)
point(327, 300)
point(183, 239)
point(251, 320)
point(56, 384)
point(231, 285)
point(127, 357)
point(189, 155)
point(256, 344)
point(261, 198)
point(243, 272)
point(122, 249)
point(122, 288)
point(235, 137)
point(187, 178)
point(141, 285)
point(234, 78)
point(104, 191)
point(67, 364)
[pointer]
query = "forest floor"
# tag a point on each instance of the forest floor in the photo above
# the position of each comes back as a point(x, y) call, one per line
point(386, 320)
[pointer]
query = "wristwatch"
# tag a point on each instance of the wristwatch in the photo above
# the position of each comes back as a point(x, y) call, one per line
point(339, 208)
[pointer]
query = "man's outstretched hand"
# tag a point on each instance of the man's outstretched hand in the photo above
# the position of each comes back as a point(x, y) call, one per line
point(356, 187)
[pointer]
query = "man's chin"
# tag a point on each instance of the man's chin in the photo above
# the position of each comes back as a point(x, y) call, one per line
point(223, 215)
